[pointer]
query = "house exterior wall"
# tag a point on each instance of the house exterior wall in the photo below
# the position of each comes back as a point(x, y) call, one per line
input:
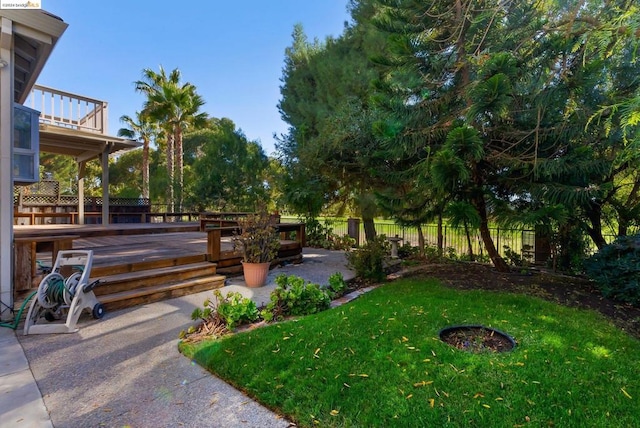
point(43, 30)
point(6, 180)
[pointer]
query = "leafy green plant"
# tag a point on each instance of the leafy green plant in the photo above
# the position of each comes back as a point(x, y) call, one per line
point(316, 233)
point(336, 284)
point(337, 242)
point(368, 260)
point(407, 250)
point(320, 235)
point(220, 316)
point(295, 296)
point(616, 269)
point(513, 258)
point(236, 309)
point(258, 241)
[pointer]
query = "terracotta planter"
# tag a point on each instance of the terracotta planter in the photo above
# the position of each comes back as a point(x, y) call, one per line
point(255, 274)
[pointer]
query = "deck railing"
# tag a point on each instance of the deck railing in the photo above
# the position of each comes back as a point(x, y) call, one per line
point(68, 110)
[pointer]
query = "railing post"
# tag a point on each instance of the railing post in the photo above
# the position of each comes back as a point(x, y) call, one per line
point(303, 235)
point(213, 244)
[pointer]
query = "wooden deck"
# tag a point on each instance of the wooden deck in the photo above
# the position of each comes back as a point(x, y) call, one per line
point(124, 249)
point(140, 263)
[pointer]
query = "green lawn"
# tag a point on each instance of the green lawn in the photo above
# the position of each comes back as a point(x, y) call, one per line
point(378, 362)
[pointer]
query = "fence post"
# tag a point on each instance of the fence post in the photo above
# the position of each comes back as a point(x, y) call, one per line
point(353, 229)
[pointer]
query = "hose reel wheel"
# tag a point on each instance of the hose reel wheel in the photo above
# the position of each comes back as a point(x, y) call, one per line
point(70, 286)
point(51, 291)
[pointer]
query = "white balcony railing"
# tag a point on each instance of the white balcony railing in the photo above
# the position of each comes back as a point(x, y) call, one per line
point(68, 110)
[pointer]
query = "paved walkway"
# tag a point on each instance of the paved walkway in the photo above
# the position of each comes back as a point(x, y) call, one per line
point(125, 370)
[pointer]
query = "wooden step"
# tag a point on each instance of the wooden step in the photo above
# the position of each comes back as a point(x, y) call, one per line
point(146, 278)
point(156, 293)
point(101, 271)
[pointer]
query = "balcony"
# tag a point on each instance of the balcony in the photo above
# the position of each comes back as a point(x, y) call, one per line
point(74, 125)
point(68, 110)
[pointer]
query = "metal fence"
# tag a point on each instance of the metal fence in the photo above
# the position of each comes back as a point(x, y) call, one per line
point(521, 241)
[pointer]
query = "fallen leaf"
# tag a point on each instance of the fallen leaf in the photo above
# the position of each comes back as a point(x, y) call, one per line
point(334, 412)
point(432, 402)
point(625, 393)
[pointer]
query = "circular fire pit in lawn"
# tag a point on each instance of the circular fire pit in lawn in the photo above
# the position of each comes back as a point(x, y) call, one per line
point(477, 338)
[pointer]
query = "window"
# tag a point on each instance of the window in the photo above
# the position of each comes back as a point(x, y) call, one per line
point(26, 144)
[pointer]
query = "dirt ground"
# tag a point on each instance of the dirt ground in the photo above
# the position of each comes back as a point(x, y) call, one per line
point(562, 289)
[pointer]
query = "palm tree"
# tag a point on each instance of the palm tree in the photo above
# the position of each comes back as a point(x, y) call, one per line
point(140, 128)
point(177, 107)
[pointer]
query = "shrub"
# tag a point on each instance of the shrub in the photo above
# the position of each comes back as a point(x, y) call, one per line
point(259, 241)
point(513, 258)
point(235, 309)
point(221, 315)
point(616, 269)
point(316, 233)
point(294, 296)
point(368, 260)
point(337, 285)
point(406, 250)
point(320, 235)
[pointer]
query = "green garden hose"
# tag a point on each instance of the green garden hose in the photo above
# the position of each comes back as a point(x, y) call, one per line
point(14, 324)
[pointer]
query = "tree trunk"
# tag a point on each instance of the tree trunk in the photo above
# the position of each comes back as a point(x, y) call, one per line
point(479, 203)
point(369, 228)
point(170, 173)
point(368, 210)
point(594, 214)
point(145, 168)
point(420, 241)
point(440, 235)
point(498, 261)
point(470, 246)
point(179, 166)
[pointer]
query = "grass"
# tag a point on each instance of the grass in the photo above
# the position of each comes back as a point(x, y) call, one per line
point(378, 362)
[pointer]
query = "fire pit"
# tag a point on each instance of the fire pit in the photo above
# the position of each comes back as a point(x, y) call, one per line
point(477, 338)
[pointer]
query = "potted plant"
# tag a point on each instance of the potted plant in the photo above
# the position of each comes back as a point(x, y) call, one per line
point(258, 242)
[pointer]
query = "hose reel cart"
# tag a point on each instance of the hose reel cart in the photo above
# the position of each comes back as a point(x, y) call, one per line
point(58, 295)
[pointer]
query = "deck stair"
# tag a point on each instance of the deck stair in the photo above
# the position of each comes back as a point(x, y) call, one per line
point(138, 283)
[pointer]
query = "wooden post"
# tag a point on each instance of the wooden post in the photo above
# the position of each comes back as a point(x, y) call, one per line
point(213, 244)
point(303, 235)
point(353, 229)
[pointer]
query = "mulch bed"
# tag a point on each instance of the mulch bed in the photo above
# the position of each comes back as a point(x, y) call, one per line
point(476, 339)
point(563, 289)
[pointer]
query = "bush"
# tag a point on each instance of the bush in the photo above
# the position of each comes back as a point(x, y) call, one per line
point(616, 269)
point(294, 296)
point(368, 260)
point(221, 315)
point(515, 259)
point(406, 250)
point(337, 285)
point(320, 235)
point(236, 309)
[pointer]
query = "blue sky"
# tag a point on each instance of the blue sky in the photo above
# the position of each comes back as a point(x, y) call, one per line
point(232, 51)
